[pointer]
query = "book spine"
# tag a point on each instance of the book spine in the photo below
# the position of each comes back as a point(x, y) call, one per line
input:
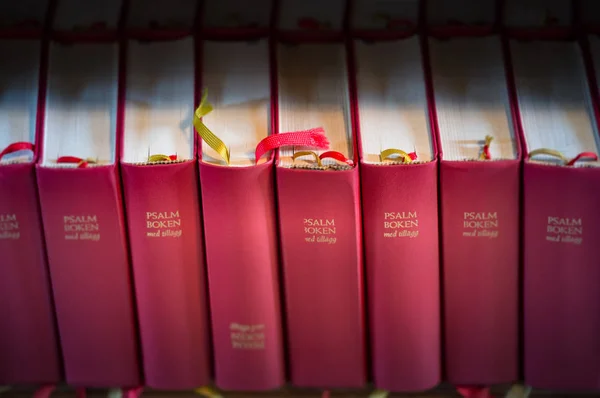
point(165, 237)
point(319, 213)
point(242, 262)
point(480, 246)
point(89, 269)
point(403, 274)
point(561, 306)
point(28, 340)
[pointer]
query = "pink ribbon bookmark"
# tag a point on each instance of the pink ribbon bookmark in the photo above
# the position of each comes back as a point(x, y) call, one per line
point(44, 391)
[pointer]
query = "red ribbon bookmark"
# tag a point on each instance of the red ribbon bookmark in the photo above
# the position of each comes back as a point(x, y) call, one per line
point(81, 163)
point(44, 391)
point(583, 155)
point(16, 147)
point(135, 392)
point(474, 392)
point(337, 156)
point(314, 138)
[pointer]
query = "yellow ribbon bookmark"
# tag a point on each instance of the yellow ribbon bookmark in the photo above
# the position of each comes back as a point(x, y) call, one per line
point(159, 158)
point(207, 392)
point(518, 391)
point(208, 136)
point(308, 153)
point(386, 153)
point(379, 394)
point(549, 152)
point(87, 161)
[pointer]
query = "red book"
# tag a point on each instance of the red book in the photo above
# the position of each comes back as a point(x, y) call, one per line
point(320, 220)
point(28, 339)
point(398, 158)
point(80, 193)
point(240, 224)
point(561, 188)
point(479, 203)
point(160, 181)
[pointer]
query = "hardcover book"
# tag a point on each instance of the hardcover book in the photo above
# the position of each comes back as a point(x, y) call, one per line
point(160, 180)
point(80, 193)
point(321, 237)
point(398, 160)
point(240, 222)
point(479, 204)
point(561, 188)
point(28, 339)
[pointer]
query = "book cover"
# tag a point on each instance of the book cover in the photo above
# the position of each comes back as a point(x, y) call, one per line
point(320, 220)
point(557, 116)
point(479, 205)
point(399, 182)
point(80, 194)
point(28, 338)
point(238, 199)
point(160, 182)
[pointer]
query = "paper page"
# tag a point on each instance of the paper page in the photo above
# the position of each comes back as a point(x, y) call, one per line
point(392, 101)
point(236, 75)
point(313, 92)
point(159, 105)
point(81, 103)
point(19, 77)
point(471, 97)
point(554, 97)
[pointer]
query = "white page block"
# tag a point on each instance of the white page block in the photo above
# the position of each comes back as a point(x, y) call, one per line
point(159, 105)
point(554, 97)
point(81, 103)
point(471, 97)
point(313, 92)
point(19, 79)
point(236, 75)
point(392, 100)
